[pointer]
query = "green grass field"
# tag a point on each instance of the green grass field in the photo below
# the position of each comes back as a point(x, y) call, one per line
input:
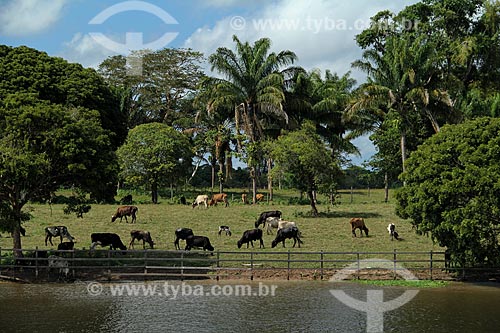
point(329, 232)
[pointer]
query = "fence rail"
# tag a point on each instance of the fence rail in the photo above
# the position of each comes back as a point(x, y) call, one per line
point(83, 264)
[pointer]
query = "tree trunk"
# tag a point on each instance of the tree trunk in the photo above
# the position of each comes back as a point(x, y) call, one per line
point(269, 180)
point(254, 185)
point(403, 149)
point(313, 203)
point(386, 187)
point(221, 177)
point(213, 178)
point(154, 192)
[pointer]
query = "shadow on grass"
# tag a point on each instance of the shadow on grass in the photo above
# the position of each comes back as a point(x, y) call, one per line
point(339, 215)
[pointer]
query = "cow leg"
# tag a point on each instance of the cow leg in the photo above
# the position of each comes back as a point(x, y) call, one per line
point(131, 243)
point(46, 238)
point(261, 243)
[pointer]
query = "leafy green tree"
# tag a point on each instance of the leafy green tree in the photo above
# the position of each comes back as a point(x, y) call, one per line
point(155, 155)
point(252, 86)
point(453, 190)
point(44, 146)
point(304, 156)
point(162, 92)
point(37, 76)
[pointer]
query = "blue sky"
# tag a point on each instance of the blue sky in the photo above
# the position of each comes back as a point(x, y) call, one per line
point(320, 32)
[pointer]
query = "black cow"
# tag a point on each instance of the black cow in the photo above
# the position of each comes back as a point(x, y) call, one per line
point(126, 200)
point(249, 236)
point(107, 239)
point(60, 231)
point(181, 233)
point(198, 241)
point(264, 215)
point(145, 236)
point(66, 246)
point(290, 232)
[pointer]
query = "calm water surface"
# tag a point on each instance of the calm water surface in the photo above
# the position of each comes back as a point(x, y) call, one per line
point(296, 307)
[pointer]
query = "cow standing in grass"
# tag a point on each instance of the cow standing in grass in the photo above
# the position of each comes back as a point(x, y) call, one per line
point(220, 197)
point(139, 235)
point(358, 223)
point(125, 211)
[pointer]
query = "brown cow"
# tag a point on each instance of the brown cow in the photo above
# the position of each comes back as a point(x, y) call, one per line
point(145, 236)
point(259, 197)
point(125, 211)
point(244, 198)
point(358, 223)
point(221, 197)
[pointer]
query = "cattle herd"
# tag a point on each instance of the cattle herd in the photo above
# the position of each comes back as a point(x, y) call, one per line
point(269, 220)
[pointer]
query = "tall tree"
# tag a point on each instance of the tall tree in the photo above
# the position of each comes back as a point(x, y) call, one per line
point(253, 87)
point(44, 146)
point(155, 155)
point(304, 155)
point(452, 190)
point(401, 80)
point(27, 71)
point(169, 78)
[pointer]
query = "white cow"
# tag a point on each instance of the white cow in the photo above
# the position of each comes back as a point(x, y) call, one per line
point(272, 222)
point(203, 198)
point(61, 263)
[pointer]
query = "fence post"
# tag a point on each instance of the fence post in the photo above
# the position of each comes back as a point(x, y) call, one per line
point(182, 266)
point(395, 264)
point(218, 264)
point(109, 265)
point(430, 265)
point(36, 262)
point(251, 266)
point(321, 272)
point(357, 256)
point(145, 264)
point(288, 269)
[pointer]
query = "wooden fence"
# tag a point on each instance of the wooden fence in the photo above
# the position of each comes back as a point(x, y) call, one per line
point(158, 264)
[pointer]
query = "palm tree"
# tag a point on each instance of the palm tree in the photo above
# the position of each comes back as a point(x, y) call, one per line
point(252, 85)
point(403, 79)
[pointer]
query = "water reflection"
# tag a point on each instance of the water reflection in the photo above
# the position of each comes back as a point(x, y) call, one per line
point(296, 307)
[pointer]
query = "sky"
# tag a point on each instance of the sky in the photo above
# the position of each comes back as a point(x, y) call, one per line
point(320, 32)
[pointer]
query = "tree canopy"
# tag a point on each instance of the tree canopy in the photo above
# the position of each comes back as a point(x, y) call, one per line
point(154, 155)
point(303, 155)
point(453, 190)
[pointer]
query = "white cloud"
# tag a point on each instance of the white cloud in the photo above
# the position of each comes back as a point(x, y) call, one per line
point(25, 17)
point(85, 50)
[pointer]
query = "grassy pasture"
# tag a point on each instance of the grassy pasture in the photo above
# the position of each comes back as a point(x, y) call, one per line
point(329, 232)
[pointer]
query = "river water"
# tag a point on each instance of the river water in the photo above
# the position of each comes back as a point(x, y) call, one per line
point(271, 307)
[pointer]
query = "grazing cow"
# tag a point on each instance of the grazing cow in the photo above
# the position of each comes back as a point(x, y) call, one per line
point(198, 241)
point(201, 199)
point(290, 232)
point(249, 236)
point(66, 246)
point(125, 211)
point(358, 223)
point(59, 262)
point(286, 224)
point(105, 239)
point(181, 233)
point(145, 236)
point(272, 222)
point(264, 215)
point(392, 231)
point(126, 200)
point(259, 197)
point(60, 231)
point(244, 198)
point(220, 197)
point(226, 229)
